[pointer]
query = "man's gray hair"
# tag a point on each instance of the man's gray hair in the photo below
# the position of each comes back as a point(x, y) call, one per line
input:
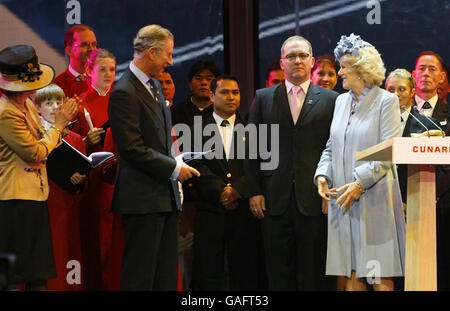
point(149, 36)
point(296, 38)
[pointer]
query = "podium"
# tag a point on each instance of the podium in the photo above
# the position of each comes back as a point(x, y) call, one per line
point(418, 153)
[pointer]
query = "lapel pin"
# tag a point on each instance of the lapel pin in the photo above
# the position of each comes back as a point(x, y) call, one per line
point(309, 102)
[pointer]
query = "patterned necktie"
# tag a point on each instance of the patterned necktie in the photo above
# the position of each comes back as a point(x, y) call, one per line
point(151, 84)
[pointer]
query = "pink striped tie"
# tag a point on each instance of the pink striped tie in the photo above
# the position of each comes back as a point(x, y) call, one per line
point(295, 103)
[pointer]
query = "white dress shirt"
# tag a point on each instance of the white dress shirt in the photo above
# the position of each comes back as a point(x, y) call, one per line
point(420, 102)
point(74, 72)
point(405, 116)
point(226, 132)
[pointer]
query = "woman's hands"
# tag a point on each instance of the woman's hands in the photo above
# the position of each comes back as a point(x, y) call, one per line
point(352, 192)
point(323, 190)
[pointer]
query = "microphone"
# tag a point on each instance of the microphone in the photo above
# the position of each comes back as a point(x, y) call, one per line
point(403, 107)
point(431, 120)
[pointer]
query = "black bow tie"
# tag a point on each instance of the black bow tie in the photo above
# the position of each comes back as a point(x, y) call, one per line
point(225, 123)
point(426, 105)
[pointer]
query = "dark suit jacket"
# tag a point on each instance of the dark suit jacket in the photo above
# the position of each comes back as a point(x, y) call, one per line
point(300, 148)
point(184, 112)
point(441, 113)
point(215, 174)
point(412, 126)
point(141, 130)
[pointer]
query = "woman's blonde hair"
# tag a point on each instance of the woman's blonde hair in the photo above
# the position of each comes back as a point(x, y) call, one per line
point(368, 65)
point(402, 74)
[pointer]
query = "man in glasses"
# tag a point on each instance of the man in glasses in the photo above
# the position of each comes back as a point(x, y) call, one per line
point(79, 42)
point(285, 198)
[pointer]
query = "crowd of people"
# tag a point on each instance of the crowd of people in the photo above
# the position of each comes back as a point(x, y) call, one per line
point(144, 220)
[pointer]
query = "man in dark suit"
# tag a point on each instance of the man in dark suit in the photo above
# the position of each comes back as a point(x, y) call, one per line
point(413, 126)
point(428, 74)
point(225, 230)
point(294, 228)
point(146, 192)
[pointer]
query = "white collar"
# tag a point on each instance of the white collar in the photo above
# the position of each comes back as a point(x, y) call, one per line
point(219, 119)
point(45, 123)
point(74, 72)
point(405, 114)
point(304, 85)
point(99, 92)
point(139, 74)
point(420, 101)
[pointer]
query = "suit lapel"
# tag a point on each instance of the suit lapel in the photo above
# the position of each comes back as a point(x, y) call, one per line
point(406, 130)
point(147, 98)
point(281, 107)
point(312, 97)
point(236, 144)
point(161, 103)
point(156, 113)
point(440, 111)
point(222, 162)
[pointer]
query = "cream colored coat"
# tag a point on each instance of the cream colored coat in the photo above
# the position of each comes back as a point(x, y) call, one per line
point(23, 152)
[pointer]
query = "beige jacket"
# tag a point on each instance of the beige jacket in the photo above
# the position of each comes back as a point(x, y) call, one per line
point(24, 146)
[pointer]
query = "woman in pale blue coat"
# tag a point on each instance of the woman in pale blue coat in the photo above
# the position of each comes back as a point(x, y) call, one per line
point(366, 226)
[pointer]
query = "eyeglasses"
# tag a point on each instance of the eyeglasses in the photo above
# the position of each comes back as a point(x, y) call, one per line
point(293, 57)
point(86, 45)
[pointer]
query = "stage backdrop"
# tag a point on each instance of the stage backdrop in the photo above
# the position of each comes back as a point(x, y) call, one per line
point(196, 25)
point(399, 29)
